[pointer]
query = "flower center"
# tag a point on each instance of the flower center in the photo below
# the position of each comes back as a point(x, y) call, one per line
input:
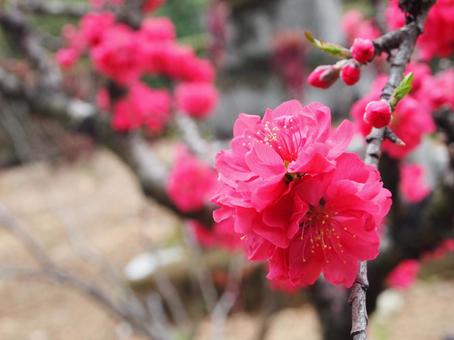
point(319, 232)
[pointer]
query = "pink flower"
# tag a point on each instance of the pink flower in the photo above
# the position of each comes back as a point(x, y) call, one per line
point(441, 89)
point(296, 198)
point(118, 55)
point(404, 275)
point(363, 50)
point(350, 73)
point(124, 118)
point(339, 228)
point(266, 153)
point(378, 113)
point(412, 184)
point(153, 106)
point(66, 57)
point(323, 76)
point(190, 182)
point(197, 70)
point(356, 26)
point(180, 62)
point(158, 29)
point(94, 25)
point(142, 107)
point(196, 99)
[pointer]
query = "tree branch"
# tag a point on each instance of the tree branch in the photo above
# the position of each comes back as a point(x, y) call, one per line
point(84, 117)
point(399, 61)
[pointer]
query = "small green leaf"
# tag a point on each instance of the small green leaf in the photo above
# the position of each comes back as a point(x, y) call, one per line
point(330, 48)
point(402, 90)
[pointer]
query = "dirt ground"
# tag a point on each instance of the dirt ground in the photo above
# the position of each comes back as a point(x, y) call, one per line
point(101, 195)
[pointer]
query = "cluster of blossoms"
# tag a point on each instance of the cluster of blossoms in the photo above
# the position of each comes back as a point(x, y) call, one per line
point(412, 118)
point(126, 56)
point(362, 52)
point(437, 39)
point(297, 198)
point(190, 185)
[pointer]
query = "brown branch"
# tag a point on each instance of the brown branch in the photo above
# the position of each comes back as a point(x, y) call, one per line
point(84, 117)
point(399, 61)
point(22, 38)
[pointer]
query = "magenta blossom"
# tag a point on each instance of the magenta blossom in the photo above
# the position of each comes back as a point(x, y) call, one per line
point(191, 182)
point(296, 198)
point(339, 228)
point(197, 100)
point(404, 275)
point(412, 184)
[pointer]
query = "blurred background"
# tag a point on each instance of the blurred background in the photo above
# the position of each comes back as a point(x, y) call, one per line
point(92, 248)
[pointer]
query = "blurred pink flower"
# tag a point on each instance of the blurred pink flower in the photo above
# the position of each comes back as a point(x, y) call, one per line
point(404, 275)
point(412, 184)
point(190, 182)
point(197, 100)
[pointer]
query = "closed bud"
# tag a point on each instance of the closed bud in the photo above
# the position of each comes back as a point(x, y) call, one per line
point(323, 76)
point(350, 73)
point(363, 50)
point(378, 113)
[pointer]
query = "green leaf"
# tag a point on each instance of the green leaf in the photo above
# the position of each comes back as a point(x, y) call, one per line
point(402, 90)
point(330, 48)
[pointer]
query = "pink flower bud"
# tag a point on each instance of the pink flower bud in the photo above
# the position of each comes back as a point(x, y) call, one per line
point(350, 73)
point(363, 50)
point(323, 76)
point(378, 113)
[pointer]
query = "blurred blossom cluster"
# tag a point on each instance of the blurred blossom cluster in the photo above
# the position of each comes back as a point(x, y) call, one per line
point(131, 58)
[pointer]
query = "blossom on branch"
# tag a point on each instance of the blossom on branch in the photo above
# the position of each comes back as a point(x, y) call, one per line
point(411, 120)
point(297, 198)
point(191, 182)
point(142, 107)
point(363, 50)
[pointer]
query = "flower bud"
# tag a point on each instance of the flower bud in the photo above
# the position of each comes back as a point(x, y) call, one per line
point(378, 113)
point(350, 73)
point(323, 76)
point(363, 50)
